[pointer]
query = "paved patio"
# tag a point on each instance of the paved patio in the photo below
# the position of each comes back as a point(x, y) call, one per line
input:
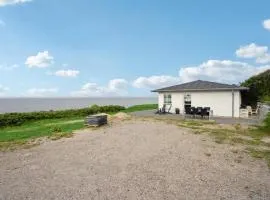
point(220, 120)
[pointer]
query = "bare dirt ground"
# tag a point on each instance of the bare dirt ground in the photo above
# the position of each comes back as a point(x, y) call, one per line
point(133, 160)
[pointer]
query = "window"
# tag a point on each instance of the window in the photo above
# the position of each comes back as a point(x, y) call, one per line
point(187, 100)
point(167, 99)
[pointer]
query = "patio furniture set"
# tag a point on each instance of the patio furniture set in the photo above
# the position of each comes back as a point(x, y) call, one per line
point(163, 110)
point(248, 111)
point(202, 112)
point(193, 112)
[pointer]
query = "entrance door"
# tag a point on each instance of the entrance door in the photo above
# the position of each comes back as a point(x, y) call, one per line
point(187, 101)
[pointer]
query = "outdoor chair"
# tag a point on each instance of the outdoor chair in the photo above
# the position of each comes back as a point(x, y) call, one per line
point(168, 112)
point(163, 110)
point(255, 111)
point(249, 108)
point(187, 111)
point(205, 112)
point(199, 111)
point(193, 111)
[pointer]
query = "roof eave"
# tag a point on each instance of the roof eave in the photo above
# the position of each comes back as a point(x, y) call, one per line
point(194, 90)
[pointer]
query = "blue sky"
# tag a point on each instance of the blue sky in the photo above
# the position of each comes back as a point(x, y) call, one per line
point(127, 48)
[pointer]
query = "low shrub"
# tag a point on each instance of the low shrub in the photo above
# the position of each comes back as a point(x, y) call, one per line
point(16, 119)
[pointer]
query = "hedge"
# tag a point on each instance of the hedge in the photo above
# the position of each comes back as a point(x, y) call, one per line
point(16, 119)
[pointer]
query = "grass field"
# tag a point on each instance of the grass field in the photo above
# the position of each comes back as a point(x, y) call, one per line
point(141, 107)
point(13, 136)
point(39, 128)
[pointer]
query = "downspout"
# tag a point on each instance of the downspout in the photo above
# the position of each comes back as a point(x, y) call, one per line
point(232, 103)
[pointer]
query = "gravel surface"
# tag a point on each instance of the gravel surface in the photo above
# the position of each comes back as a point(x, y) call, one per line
point(133, 160)
point(220, 120)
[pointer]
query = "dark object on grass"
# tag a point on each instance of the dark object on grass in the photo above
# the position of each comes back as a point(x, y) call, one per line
point(96, 120)
point(177, 111)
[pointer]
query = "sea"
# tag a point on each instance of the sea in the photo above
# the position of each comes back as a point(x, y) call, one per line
point(8, 105)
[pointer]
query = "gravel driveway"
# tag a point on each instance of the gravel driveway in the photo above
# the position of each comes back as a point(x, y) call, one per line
point(133, 160)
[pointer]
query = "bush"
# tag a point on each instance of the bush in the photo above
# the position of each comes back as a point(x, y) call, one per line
point(16, 119)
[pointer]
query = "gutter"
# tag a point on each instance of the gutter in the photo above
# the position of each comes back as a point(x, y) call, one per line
point(194, 90)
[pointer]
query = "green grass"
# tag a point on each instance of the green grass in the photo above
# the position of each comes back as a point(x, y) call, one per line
point(18, 136)
point(140, 108)
point(262, 154)
point(266, 125)
point(17, 119)
point(39, 128)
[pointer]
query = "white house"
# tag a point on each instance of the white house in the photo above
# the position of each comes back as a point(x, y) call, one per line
point(223, 99)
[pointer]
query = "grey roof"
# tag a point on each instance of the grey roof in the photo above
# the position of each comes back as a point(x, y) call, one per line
point(200, 85)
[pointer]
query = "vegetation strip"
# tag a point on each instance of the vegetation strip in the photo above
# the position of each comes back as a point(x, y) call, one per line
point(61, 124)
point(16, 119)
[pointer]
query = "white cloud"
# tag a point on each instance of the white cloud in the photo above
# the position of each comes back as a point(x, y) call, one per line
point(251, 51)
point(153, 82)
point(3, 90)
point(67, 73)
point(266, 24)
point(41, 92)
point(264, 59)
point(116, 87)
point(117, 84)
point(260, 53)
point(2, 23)
point(226, 71)
point(41, 60)
point(8, 67)
point(11, 2)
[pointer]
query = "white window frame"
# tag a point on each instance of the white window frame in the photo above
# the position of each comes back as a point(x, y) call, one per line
point(167, 98)
point(187, 98)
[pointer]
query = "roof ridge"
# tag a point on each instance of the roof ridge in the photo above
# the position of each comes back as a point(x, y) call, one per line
point(201, 85)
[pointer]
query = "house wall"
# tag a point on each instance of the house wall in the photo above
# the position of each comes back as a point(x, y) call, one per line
point(219, 101)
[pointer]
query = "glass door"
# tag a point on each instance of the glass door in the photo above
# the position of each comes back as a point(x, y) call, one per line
point(187, 101)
